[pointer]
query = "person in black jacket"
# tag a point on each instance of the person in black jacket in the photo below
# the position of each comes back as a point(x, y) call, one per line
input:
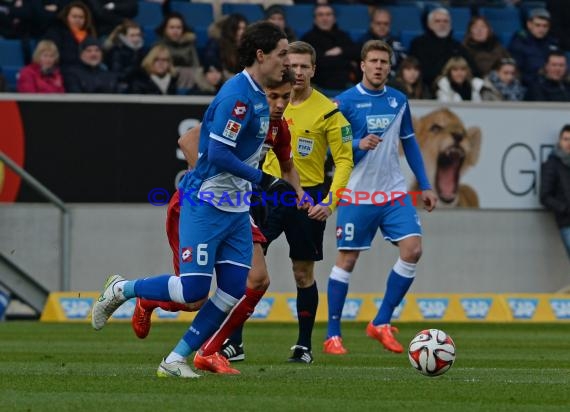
point(552, 85)
point(337, 54)
point(157, 74)
point(555, 185)
point(90, 75)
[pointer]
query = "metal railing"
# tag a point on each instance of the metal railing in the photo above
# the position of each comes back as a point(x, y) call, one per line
point(65, 226)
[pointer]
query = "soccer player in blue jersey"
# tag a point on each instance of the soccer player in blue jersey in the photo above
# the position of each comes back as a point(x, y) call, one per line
point(375, 196)
point(215, 230)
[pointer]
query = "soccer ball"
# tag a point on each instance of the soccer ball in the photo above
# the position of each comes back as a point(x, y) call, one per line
point(432, 352)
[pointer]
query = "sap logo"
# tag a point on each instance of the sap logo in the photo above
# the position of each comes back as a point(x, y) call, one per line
point(78, 308)
point(351, 308)
point(378, 123)
point(126, 310)
point(397, 310)
point(561, 308)
point(523, 308)
point(165, 314)
point(292, 303)
point(263, 308)
point(432, 308)
point(476, 308)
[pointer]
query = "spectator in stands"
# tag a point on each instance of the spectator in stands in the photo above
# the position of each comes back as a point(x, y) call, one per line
point(555, 185)
point(124, 51)
point(42, 75)
point(502, 83)
point(483, 46)
point(436, 46)
point(560, 18)
point(73, 26)
point(157, 74)
point(409, 80)
point(380, 24)
point(213, 80)
point(337, 54)
point(44, 14)
point(552, 85)
point(15, 18)
point(90, 75)
point(276, 15)
point(531, 46)
point(109, 14)
point(181, 41)
point(222, 47)
point(457, 83)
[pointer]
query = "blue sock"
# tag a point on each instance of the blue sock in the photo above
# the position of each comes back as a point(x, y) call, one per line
point(155, 288)
point(396, 288)
point(206, 322)
point(336, 295)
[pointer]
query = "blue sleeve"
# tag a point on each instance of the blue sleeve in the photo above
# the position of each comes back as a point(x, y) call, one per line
point(221, 155)
point(414, 158)
point(344, 106)
point(230, 118)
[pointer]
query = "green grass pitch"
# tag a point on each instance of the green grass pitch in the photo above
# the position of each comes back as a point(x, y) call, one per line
point(70, 367)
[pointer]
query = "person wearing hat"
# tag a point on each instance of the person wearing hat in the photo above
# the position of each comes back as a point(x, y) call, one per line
point(90, 75)
point(531, 46)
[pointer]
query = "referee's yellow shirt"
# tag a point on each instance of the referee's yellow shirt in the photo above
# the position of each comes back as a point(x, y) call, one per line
point(316, 125)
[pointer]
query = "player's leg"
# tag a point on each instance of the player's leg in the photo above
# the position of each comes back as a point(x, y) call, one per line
point(356, 227)
point(401, 225)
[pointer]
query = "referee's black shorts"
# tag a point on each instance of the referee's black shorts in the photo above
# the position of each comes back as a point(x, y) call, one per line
point(304, 235)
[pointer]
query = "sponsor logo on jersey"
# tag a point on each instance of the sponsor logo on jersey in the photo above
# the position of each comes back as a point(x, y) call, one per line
point(522, 308)
point(231, 130)
point(351, 308)
point(304, 146)
point(363, 105)
point(239, 110)
point(258, 106)
point(76, 308)
point(263, 127)
point(432, 308)
point(476, 308)
point(560, 308)
point(338, 232)
point(397, 310)
point(378, 123)
point(186, 254)
point(263, 308)
point(165, 314)
point(346, 133)
point(126, 310)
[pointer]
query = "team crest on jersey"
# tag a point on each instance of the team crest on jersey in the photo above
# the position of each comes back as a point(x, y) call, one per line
point(274, 131)
point(231, 130)
point(392, 102)
point(239, 110)
point(338, 232)
point(304, 146)
point(186, 254)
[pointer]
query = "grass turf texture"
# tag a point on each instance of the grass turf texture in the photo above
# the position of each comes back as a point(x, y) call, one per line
point(70, 367)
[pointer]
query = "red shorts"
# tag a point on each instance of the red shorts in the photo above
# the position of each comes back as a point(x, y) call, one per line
point(172, 222)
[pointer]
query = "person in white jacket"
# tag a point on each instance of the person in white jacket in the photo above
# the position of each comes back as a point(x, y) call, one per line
point(456, 82)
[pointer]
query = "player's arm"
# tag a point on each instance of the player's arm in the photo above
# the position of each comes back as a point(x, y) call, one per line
point(188, 143)
point(415, 160)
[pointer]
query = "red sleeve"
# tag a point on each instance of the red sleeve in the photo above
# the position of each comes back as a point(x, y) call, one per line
point(25, 82)
point(282, 142)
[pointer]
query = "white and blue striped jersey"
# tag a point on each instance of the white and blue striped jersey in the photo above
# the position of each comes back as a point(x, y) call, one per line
point(385, 113)
point(238, 117)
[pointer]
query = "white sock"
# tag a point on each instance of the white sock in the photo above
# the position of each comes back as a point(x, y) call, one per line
point(174, 357)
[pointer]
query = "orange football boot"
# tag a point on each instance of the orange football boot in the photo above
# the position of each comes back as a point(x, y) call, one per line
point(141, 319)
point(384, 335)
point(333, 346)
point(214, 363)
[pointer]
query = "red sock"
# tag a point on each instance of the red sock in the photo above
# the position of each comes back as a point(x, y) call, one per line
point(168, 306)
point(239, 314)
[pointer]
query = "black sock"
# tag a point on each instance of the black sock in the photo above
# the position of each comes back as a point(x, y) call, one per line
point(307, 302)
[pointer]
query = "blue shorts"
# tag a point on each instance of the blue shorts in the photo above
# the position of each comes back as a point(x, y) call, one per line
point(209, 236)
point(357, 224)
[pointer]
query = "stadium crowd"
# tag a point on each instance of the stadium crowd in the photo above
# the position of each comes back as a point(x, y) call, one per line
point(460, 50)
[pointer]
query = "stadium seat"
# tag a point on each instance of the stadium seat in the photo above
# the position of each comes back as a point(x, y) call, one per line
point(406, 37)
point(505, 38)
point(252, 12)
point(299, 18)
point(405, 18)
point(502, 19)
point(459, 35)
point(11, 74)
point(196, 15)
point(349, 17)
point(460, 17)
point(356, 34)
point(149, 35)
point(149, 15)
point(11, 53)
